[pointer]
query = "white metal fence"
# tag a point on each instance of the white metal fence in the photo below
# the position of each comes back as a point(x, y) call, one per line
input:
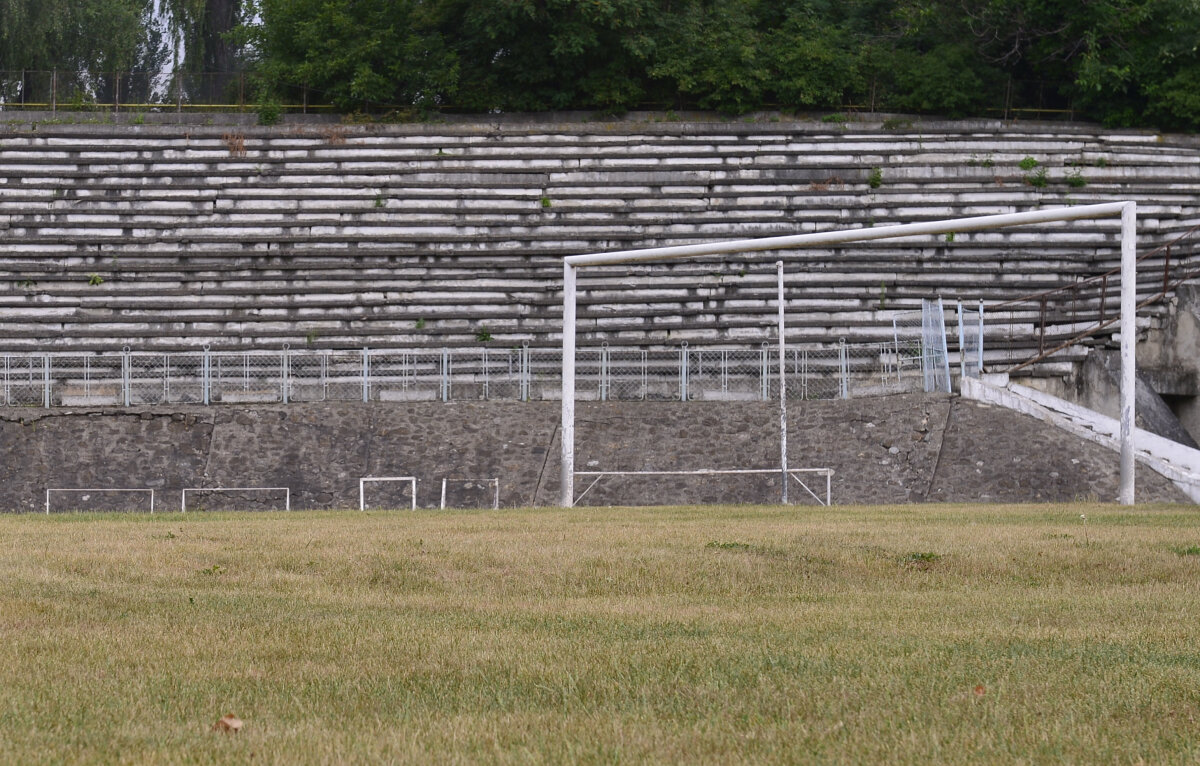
point(605, 373)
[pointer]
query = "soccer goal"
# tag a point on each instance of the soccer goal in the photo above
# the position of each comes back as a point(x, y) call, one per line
point(473, 487)
point(411, 481)
point(1126, 211)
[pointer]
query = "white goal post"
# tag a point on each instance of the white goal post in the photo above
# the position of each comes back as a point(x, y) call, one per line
point(362, 496)
point(493, 482)
point(1125, 210)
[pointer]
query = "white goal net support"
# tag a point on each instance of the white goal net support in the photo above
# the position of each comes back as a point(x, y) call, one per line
point(1126, 211)
point(403, 481)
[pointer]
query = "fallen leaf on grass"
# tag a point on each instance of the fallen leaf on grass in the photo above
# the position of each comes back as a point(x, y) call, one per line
point(228, 724)
point(979, 690)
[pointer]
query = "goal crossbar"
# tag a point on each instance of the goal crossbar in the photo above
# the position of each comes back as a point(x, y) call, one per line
point(1125, 210)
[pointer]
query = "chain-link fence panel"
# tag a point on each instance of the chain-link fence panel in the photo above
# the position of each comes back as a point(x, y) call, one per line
point(474, 374)
point(146, 378)
point(186, 378)
point(970, 341)
point(545, 374)
point(501, 373)
point(920, 347)
point(319, 376)
point(86, 380)
point(247, 378)
point(398, 376)
point(629, 375)
point(908, 351)
point(731, 374)
point(26, 381)
point(815, 373)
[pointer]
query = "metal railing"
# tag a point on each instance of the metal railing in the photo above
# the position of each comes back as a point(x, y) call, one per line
point(126, 90)
point(682, 373)
point(1052, 321)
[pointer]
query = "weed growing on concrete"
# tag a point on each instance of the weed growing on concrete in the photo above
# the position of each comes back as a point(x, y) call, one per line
point(545, 201)
point(419, 324)
point(235, 143)
point(1027, 164)
point(95, 279)
point(875, 178)
point(1037, 179)
point(895, 123)
point(1075, 179)
point(950, 237)
point(483, 336)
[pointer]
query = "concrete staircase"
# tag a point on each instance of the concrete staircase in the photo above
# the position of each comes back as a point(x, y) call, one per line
point(324, 236)
point(1175, 461)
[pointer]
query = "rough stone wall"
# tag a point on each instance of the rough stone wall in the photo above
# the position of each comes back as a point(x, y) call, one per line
point(894, 449)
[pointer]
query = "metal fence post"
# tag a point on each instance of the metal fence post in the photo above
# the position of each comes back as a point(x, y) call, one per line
point(683, 372)
point(206, 375)
point(487, 375)
point(366, 375)
point(962, 345)
point(523, 372)
point(764, 378)
point(445, 375)
point(604, 373)
point(46, 380)
point(284, 373)
point(844, 364)
point(125, 375)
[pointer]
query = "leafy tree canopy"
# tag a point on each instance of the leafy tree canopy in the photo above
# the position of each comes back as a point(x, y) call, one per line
point(1124, 62)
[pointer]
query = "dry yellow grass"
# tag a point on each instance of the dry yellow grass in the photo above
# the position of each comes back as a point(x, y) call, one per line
point(722, 635)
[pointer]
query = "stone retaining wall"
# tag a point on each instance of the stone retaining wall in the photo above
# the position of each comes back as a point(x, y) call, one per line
point(895, 449)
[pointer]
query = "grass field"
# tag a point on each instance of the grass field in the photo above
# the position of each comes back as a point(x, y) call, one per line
point(720, 635)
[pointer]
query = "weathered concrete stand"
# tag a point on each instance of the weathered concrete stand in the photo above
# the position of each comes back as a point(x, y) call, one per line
point(896, 449)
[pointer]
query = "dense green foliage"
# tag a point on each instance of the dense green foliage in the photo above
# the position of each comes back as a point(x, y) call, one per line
point(1124, 62)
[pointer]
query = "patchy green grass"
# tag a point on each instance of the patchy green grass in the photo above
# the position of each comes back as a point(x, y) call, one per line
point(722, 635)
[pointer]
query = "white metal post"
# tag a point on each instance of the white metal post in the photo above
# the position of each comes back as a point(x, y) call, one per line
point(567, 482)
point(1128, 345)
point(783, 461)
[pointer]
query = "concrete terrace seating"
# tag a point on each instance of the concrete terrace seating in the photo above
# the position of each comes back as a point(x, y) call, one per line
point(175, 237)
